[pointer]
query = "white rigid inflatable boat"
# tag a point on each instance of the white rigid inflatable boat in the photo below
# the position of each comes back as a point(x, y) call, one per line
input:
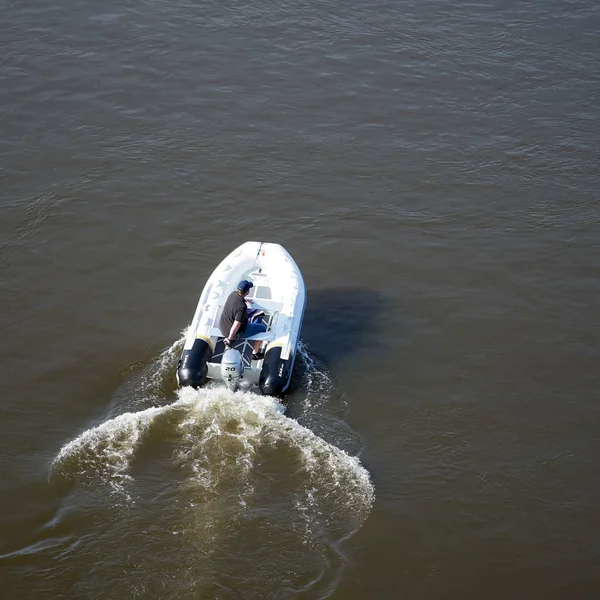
point(278, 294)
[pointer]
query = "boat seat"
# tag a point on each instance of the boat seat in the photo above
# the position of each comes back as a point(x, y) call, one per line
point(267, 336)
point(270, 305)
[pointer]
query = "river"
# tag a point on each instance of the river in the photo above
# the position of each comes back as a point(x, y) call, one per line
point(432, 167)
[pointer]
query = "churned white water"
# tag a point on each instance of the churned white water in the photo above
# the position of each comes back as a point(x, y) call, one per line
point(214, 426)
point(233, 458)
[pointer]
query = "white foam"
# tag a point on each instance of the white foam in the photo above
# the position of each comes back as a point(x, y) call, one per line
point(105, 450)
point(217, 436)
point(316, 382)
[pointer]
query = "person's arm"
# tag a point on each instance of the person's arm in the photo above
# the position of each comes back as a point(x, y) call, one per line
point(233, 331)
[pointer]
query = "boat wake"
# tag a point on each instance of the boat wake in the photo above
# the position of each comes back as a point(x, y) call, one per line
point(228, 471)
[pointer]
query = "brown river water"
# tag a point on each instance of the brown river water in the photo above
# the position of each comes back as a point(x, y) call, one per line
point(433, 168)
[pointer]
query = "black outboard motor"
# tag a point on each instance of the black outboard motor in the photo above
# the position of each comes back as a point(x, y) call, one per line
point(275, 373)
point(192, 367)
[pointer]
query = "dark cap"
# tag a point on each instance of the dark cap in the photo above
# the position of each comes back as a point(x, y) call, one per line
point(244, 286)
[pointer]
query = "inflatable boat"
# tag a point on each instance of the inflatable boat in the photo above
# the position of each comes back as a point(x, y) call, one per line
point(277, 298)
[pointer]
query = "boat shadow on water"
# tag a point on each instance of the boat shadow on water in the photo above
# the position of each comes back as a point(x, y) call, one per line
point(342, 322)
point(341, 326)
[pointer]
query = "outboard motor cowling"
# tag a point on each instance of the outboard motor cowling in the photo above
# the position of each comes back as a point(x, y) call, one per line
point(232, 368)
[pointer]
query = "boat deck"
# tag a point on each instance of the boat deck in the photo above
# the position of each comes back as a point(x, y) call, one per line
point(244, 346)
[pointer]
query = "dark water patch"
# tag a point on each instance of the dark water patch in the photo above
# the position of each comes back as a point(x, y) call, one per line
point(341, 323)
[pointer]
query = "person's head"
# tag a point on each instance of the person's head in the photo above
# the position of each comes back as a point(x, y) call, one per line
point(244, 287)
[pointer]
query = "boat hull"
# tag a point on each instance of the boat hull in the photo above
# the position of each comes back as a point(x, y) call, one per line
point(278, 292)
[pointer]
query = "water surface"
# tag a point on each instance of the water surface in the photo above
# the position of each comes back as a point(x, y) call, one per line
point(432, 168)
